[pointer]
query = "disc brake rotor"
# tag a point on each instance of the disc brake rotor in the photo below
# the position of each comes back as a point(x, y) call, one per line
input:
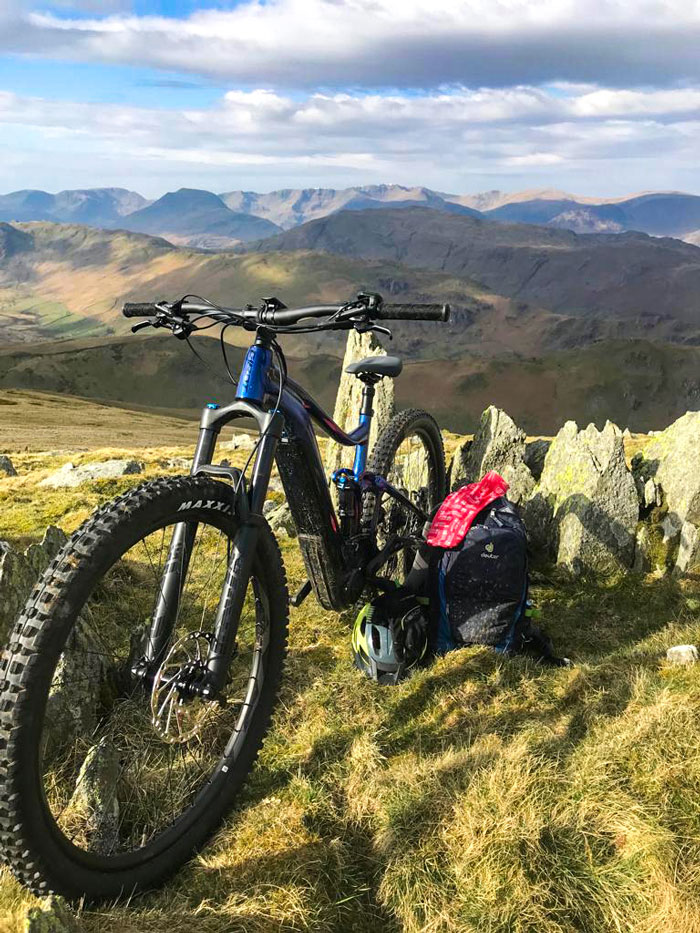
point(177, 718)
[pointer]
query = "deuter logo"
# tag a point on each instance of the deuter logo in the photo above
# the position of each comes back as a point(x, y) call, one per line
point(488, 551)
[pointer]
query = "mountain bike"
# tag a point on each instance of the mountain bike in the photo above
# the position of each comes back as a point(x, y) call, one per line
point(141, 678)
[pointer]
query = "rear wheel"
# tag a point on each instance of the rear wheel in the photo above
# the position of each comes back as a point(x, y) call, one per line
point(111, 782)
point(409, 453)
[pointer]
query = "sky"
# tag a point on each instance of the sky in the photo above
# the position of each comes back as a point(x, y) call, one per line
point(596, 97)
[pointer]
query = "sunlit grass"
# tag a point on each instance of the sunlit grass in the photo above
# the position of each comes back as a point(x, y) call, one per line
point(480, 795)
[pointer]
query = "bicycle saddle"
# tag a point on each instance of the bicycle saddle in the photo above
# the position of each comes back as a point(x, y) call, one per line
point(377, 366)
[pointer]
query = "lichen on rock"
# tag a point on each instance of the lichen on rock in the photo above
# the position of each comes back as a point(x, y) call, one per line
point(94, 806)
point(50, 915)
point(585, 509)
point(19, 571)
point(669, 463)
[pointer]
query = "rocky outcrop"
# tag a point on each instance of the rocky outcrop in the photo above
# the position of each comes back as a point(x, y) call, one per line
point(70, 475)
point(585, 510)
point(348, 399)
point(667, 470)
point(80, 678)
point(19, 571)
point(500, 445)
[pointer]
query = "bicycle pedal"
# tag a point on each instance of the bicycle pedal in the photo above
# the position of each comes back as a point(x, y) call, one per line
point(301, 594)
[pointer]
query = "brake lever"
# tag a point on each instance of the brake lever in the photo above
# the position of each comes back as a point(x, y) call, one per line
point(140, 326)
point(363, 328)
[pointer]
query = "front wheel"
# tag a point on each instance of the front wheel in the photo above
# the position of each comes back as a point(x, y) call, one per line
point(409, 453)
point(110, 781)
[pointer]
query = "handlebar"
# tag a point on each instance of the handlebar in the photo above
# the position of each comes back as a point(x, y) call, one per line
point(139, 309)
point(274, 313)
point(412, 312)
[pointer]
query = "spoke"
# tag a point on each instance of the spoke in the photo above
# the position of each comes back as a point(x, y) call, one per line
point(155, 782)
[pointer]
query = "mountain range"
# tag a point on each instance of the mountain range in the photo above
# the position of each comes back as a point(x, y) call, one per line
point(547, 323)
point(205, 220)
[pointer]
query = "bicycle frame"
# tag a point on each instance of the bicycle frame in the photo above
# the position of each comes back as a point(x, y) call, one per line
point(287, 438)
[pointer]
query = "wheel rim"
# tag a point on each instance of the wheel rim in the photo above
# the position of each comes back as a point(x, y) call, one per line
point(112, 782)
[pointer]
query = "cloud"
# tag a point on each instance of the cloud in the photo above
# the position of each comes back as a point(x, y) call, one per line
point(382, 43)
point(439, 139)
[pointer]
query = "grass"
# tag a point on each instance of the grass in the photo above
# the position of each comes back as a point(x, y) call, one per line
point(481, 795)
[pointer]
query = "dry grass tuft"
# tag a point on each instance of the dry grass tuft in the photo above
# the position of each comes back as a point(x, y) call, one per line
point(481, 795)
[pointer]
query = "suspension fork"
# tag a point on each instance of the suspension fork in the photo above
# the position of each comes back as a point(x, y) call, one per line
point(248, 509)
point(241, 561)
point(176, 566)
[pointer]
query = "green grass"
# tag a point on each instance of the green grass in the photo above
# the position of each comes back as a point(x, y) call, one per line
point(481, 795)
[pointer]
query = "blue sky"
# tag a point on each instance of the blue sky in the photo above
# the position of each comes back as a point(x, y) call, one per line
point(460, 96)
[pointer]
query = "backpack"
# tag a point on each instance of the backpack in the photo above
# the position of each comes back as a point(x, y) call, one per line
point(479, 588)
point(473, 567)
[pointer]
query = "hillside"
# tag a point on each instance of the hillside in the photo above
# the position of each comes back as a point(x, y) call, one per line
point(481, 794)
point(42, 421)
point(655, 282)
point(637, 384)
point(62, 281)
point(658, 213)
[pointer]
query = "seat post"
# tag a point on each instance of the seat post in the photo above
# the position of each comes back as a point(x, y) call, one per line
point(368, 380)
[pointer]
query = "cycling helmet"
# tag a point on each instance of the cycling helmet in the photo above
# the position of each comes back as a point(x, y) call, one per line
point(389, 637)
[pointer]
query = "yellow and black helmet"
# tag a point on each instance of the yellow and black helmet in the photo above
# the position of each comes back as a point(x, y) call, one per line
point(390, 636)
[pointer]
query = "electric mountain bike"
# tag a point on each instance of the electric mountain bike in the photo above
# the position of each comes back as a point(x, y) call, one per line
point(140, 680)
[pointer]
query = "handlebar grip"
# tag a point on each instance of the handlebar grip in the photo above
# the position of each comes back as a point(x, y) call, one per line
point(139, 309)
point(413, 312)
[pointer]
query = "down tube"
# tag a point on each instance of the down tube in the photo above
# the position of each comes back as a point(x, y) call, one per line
point(305, 486)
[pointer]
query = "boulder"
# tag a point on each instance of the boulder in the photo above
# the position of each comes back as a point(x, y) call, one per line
point(181, 464)
point(667, 470)
point(6, 466)
point(19, 571)
point(499, 444)
point(280, 520)
point(347, 404)
point(585, 509)
point(94, 803)
point(70, 475)
point(682, 655)
point(51, 915)
point(655, 550)
point(239, 441)
point(79, 681)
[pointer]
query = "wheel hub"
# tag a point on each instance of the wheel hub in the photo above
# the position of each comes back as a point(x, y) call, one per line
point(179, 709)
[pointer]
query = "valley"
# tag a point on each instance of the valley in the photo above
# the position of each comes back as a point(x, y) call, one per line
point(546, 323)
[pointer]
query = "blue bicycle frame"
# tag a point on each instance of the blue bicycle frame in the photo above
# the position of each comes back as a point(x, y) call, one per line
point(286, 438)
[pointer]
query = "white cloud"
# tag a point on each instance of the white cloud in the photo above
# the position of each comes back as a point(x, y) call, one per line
point(372, 43)
point(438, 139)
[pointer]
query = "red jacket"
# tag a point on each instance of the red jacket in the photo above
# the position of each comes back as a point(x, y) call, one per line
point(456, 514)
